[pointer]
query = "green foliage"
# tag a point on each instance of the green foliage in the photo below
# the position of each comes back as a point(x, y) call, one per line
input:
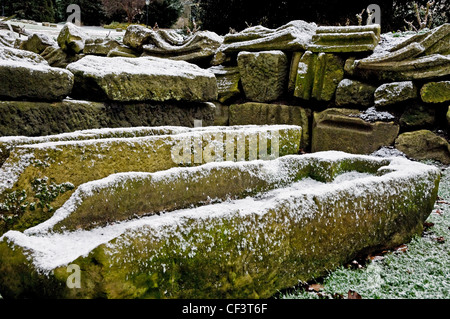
point(38, 10)
point(47, 193)
point(14, 204)
point(165, 13)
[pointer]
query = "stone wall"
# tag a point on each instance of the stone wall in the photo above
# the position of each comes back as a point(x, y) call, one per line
point(296, 72)
point(362, 90)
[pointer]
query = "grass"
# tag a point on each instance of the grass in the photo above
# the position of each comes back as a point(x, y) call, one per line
point(419, 270)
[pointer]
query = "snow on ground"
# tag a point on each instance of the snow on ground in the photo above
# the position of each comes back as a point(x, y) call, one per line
point(53, 32)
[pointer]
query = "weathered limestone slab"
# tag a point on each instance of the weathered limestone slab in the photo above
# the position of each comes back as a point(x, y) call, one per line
point(294, 36)
point(42, 118)
point(141, 79)
point(124, 52)
point(343, 130)
point(434, 41)
point(71, 38)
point(395, 92)
point(25, 75)
point(228, 79)
point(270, 114)
point(136, 36)
point(57, 58)
point(422, 57)
point(424, 144)
point(37, 43)
point(263, 74)
point(355, 93)
point(170, 44)
point(345, 39)
point(436, 92)
point(239, 248)
point(100, 47)
point(293, 70)
point(201, 46)
point(422, 68)
point(318, 76)
point(74, 162)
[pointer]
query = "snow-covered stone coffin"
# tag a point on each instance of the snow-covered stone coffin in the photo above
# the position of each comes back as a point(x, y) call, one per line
point(38, 174)
point(232, 230)
point(141, 79)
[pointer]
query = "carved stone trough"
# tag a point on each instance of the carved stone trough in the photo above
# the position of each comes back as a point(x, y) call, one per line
point(219, 230)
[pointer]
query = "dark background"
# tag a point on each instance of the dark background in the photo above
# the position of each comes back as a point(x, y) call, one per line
point(221, 15)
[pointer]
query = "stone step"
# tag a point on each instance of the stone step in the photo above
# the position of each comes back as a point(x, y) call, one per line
point(239, 248)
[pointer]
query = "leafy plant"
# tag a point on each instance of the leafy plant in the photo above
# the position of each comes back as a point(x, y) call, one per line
point(16, 203)
point(47, 193)
point(13, 206)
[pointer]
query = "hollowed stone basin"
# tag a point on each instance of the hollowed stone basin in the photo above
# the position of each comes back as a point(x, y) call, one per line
point(44, 171)
point(220, 230)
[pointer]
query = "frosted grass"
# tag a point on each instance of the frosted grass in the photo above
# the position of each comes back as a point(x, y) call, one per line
point(421, 272)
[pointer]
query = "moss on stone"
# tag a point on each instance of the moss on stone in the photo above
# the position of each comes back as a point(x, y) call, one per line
point(40, 118)
point(271, 114)
point(318, 76)
point(243, 254)
point(78, 162)
point(436, 92)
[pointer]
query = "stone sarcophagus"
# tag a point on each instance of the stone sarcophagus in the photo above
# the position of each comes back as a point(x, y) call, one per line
point(220, 230)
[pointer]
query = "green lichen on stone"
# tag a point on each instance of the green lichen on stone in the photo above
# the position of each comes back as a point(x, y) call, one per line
point(355, 93)
point(448, 116)
point(271, 114)
point(228, 79)
point(80, 161)
point(318, 76)
point(424, 144)
point(263, 74)
point(243, 254)
point(436, 92)
point(20, 118)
